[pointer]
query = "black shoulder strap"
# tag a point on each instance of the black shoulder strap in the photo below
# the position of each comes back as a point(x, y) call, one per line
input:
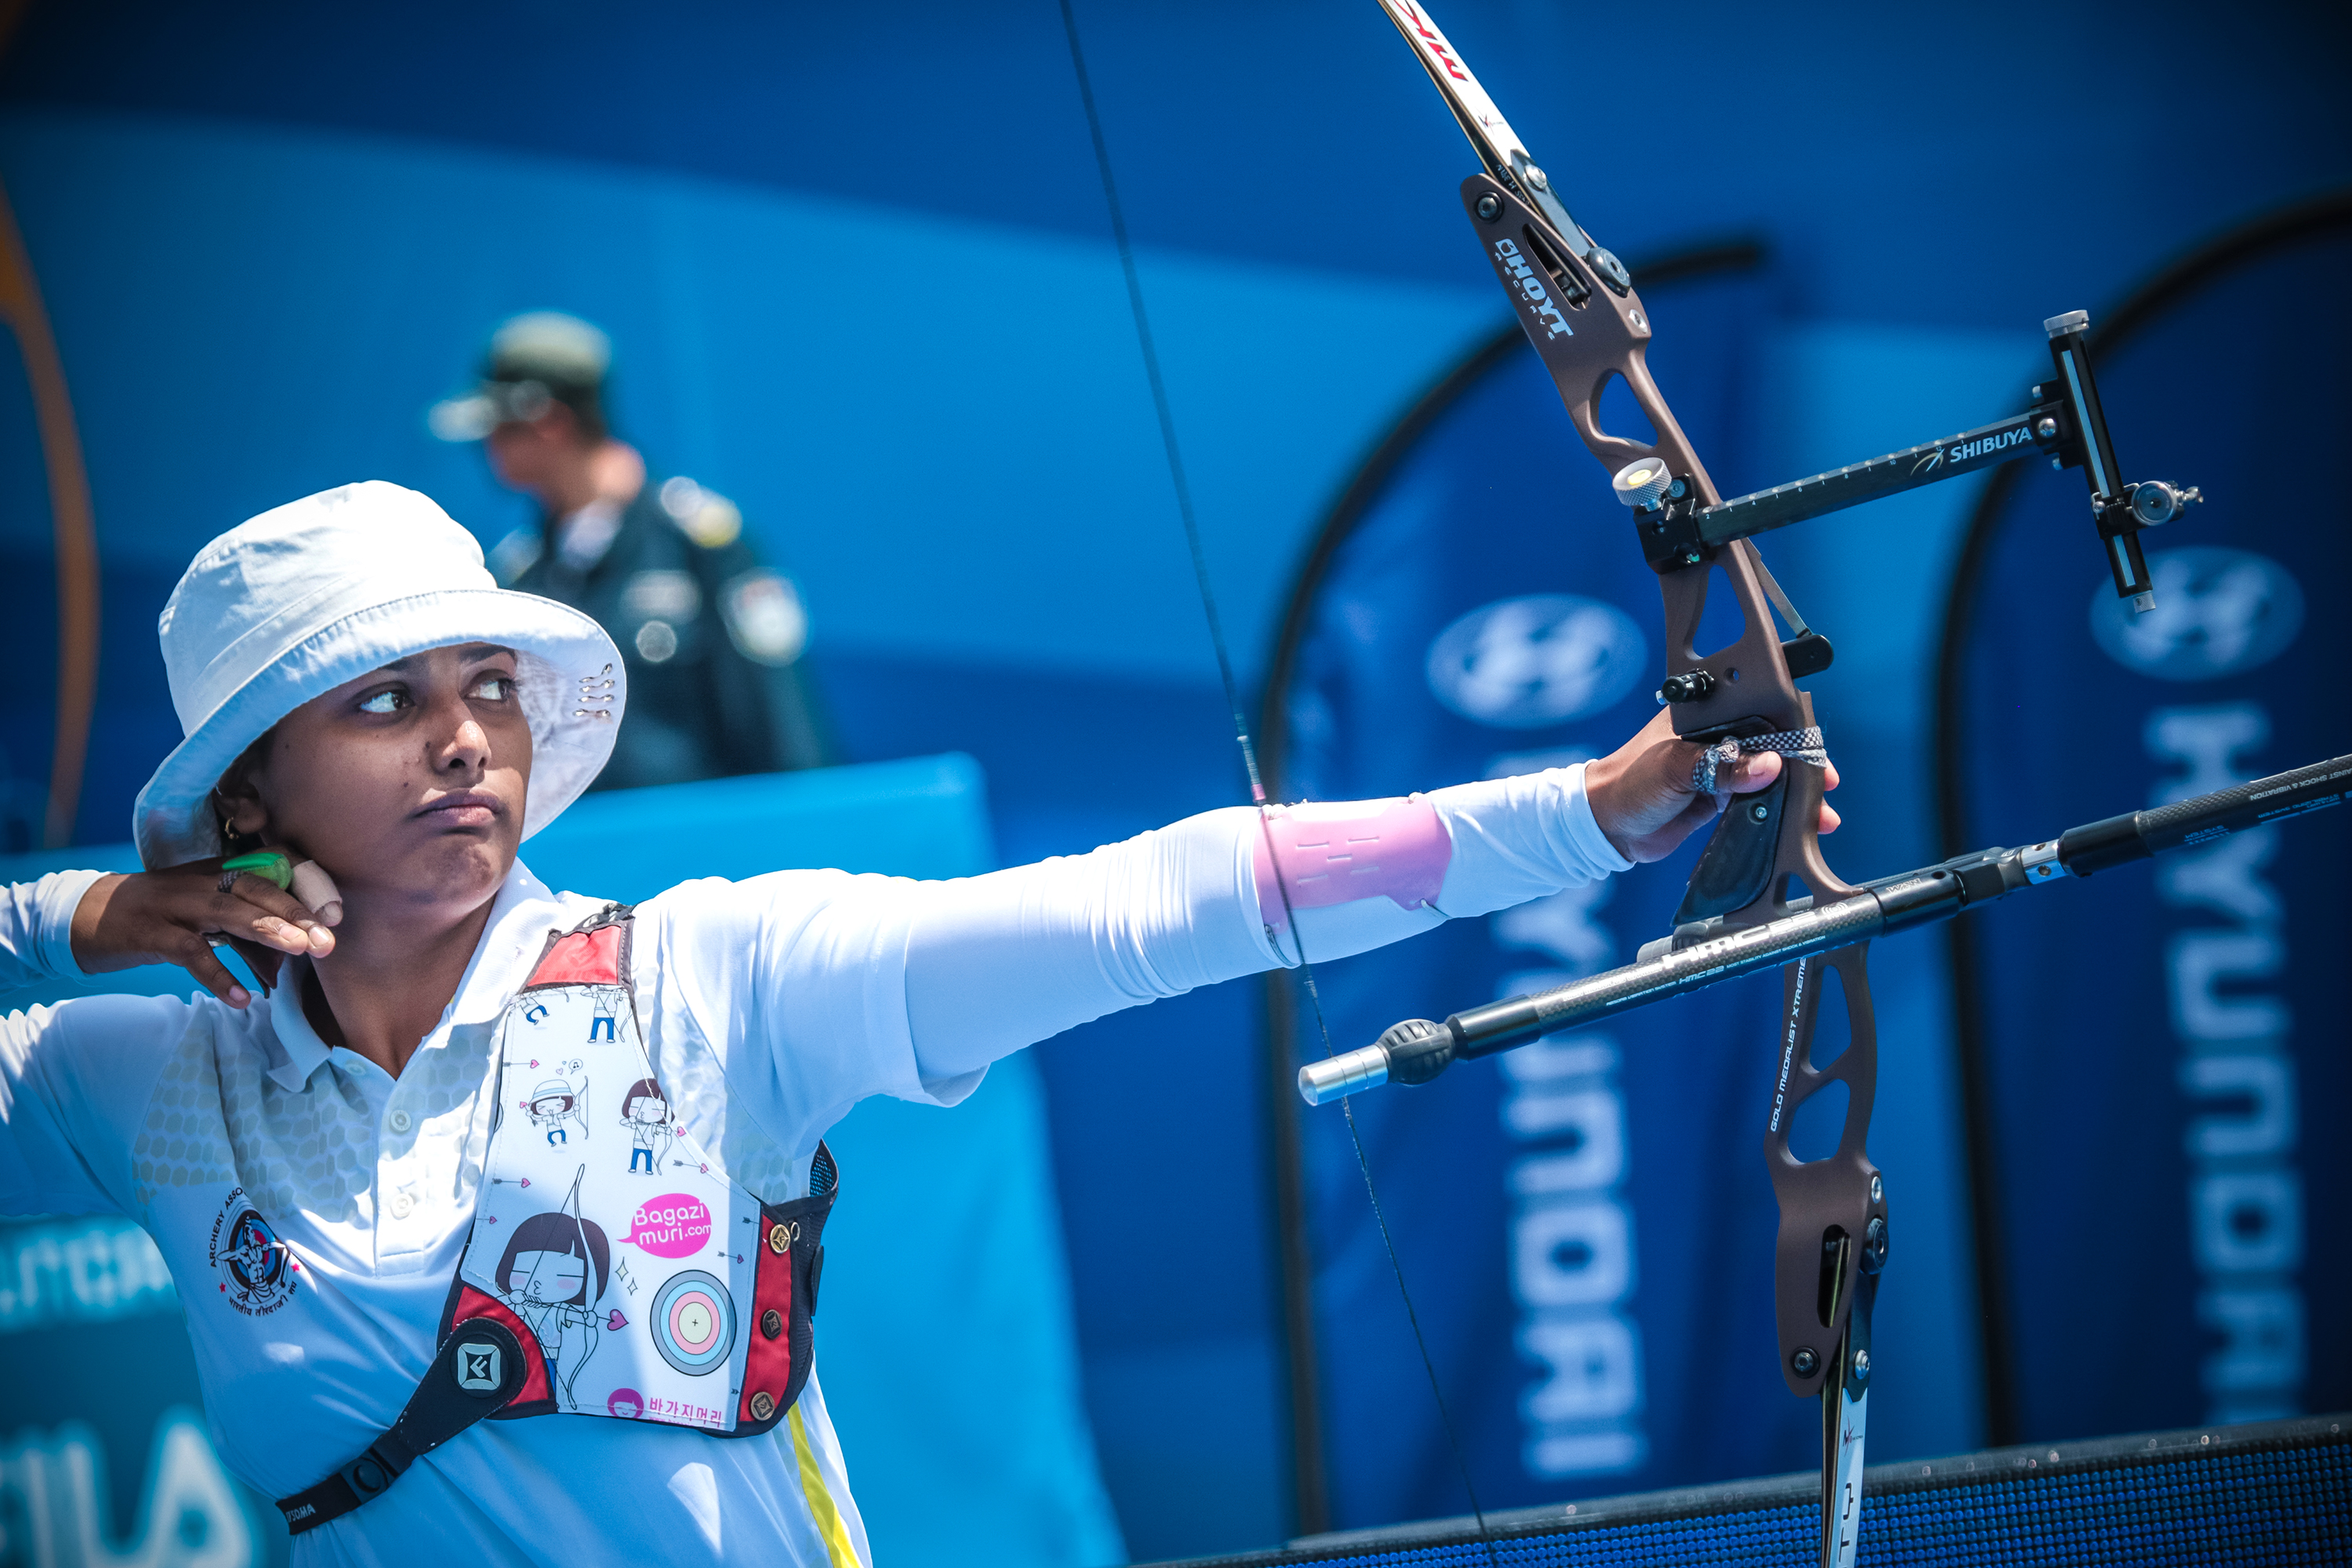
point(477, 1371)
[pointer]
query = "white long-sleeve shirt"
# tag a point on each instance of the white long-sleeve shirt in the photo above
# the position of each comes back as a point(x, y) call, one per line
point(771, 1007)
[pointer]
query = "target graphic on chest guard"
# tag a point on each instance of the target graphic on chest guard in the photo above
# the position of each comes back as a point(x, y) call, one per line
point(693, 1322)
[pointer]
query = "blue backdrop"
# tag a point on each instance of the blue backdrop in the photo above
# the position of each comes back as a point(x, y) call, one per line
point(856, 265)
point(2163, 1049)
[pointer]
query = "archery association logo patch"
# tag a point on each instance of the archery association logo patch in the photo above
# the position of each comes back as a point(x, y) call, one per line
point(257, 1271)
point(1521, 664)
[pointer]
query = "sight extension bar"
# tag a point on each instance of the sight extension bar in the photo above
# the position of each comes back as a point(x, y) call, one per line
point(1703, 954)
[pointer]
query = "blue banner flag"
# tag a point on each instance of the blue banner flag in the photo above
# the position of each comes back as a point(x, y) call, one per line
point(1585, 1223)
point(2157, 1056)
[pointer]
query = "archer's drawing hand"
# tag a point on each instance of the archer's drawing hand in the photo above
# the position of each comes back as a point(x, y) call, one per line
point(163, 917)
point(1642, 796)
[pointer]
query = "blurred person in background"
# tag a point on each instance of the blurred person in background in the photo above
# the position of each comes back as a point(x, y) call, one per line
point(711, 636)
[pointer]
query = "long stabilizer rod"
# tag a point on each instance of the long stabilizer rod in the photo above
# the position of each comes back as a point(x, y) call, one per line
point(1703, 954)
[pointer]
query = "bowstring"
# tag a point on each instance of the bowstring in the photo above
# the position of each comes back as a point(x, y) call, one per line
point(1160, 406)
point(1169, 444)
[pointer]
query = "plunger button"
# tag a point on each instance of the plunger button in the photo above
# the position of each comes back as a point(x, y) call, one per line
point(1641, 483)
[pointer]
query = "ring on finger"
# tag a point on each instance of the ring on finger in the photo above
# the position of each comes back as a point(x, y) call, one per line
point(229, 880)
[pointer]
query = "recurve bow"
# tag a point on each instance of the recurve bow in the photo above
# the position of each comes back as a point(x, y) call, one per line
point(1762, 867)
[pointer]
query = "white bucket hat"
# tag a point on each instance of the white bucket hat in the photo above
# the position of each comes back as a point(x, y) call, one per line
point(296, 602)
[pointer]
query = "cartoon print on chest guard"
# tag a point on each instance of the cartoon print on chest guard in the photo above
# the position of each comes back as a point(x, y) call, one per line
point(646, 1112)
point(639, 1276)
point(552, 1275)
point(558, 1106)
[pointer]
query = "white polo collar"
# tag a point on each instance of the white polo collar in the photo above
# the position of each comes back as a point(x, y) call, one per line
point(521, 916)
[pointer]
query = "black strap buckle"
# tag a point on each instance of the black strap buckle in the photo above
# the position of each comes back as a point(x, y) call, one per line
point(477, 1371)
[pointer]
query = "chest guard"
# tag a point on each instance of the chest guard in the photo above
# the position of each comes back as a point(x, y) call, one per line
point(612, 1269)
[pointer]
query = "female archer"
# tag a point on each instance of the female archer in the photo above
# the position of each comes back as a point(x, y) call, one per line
point(355, 690)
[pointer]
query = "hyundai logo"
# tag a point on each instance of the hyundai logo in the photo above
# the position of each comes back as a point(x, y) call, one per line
point(2218, 612)
point(1543, 659)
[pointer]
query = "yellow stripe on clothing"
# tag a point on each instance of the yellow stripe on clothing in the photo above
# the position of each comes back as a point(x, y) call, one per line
point(838, 1545)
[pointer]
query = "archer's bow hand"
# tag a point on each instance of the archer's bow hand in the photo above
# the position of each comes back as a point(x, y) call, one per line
point(1644, 796)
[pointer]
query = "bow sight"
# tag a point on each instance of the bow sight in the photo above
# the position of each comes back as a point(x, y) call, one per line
point(1744, 909)
point(2064, 423)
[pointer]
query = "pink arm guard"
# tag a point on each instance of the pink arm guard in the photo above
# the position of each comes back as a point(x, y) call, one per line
point(1335, 854)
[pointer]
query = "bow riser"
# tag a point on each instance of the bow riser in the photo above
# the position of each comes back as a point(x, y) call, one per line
point(1834, 1235)
point(1585, 335)
point(1832, 1210)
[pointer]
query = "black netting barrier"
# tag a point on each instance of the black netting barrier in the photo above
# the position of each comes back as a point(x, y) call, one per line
point(2274, 1492)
